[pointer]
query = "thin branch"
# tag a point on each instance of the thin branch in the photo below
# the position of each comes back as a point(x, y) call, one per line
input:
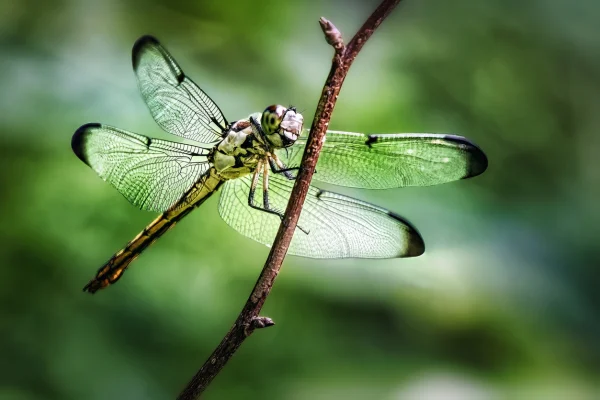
point(249, 319)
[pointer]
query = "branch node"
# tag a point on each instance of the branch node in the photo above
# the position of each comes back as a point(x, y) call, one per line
point(332, 35)
point(262, 322)
point(257, 323)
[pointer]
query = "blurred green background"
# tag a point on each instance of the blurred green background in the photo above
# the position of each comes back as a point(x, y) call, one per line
point(504, 304)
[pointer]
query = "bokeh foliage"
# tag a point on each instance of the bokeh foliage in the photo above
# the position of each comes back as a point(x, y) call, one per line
point(503, 304)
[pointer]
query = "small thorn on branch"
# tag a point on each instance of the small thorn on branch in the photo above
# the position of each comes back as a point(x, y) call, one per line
point(258, 323)
point(262, 322)
point(332, 35)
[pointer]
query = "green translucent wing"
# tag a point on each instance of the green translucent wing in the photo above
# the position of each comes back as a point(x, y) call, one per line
point(151, 173)
point(390, 161)
point(338, 226)
point(177, 104)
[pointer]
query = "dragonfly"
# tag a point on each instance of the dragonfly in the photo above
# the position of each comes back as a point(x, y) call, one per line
point(254, 161)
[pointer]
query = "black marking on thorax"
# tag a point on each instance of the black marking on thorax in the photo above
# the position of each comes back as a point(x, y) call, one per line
point(238, 162)
point(249, 142)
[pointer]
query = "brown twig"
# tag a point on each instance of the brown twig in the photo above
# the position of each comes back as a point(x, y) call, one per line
point(248, 319)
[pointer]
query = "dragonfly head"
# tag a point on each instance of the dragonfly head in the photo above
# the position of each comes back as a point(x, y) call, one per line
point(281, 125)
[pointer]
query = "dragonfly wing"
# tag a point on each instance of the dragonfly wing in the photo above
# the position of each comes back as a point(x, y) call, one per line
point(390, 161)
point(338, 226)
point(177, 104)
point(151, 173)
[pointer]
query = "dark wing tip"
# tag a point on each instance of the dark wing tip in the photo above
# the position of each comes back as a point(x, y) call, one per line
point(79, 138)
point(415, 246)
point(139, 45)
point(477, 161)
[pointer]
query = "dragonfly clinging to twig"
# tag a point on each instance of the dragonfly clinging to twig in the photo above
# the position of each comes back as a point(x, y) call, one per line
point(254, 160)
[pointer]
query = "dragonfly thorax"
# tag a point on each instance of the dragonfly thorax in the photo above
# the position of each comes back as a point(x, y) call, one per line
point(281, 125)
point(248, 141)
point(239, 151)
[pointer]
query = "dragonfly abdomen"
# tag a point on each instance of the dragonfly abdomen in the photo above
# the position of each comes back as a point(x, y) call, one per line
point(110, 272)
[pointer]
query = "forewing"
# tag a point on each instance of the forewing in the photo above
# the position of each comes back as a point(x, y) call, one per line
point(390, 161)
point(177, 104)
point(338, 226)
point(151, 173)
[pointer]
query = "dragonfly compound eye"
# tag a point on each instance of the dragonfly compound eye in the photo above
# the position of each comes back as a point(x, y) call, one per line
point(281, 125)
point(271, 119)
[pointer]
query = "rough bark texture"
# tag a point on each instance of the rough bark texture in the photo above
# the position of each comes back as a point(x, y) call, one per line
point(249, 319)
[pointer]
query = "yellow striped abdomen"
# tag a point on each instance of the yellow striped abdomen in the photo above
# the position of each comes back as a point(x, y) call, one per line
point(110, 272)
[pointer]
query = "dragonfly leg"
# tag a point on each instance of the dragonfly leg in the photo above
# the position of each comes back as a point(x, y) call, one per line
point(266, 196)
point(266, 206)
point(278, 167)
point(251, 202)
